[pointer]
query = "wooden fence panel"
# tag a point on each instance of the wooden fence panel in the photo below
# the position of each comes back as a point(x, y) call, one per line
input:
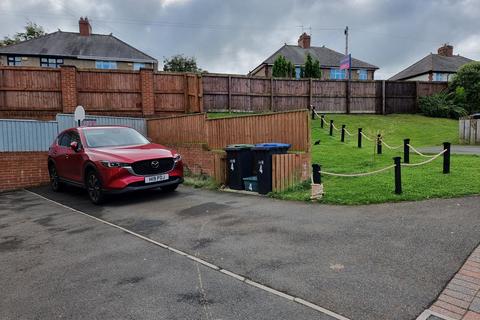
point(289, 170)
point(24, 89)
point(169, 92)
point(363, 97)
point(469, 131)
point(400, 97)
point(178, 130)
point(116, 91)
point(429, 88)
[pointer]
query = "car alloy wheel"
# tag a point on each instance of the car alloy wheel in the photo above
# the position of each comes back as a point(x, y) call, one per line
point(54, 180)
point(94, 188)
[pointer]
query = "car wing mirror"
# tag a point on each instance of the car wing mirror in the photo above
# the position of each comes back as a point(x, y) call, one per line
point(74, 146)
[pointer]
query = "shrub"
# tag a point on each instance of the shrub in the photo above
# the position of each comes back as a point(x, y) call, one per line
point(441, 105)
point(283, 68)
point(467, 83)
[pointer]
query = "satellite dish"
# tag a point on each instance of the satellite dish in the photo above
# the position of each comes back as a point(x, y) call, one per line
point(79, 114)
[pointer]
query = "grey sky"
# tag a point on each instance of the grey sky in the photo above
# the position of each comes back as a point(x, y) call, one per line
point(230, 36)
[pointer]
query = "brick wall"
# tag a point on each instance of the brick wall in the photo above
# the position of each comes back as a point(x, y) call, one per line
point(22, 169)
point(197, 158)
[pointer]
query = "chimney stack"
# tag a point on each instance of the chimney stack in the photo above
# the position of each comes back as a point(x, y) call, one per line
point(84, 27)
point(446, 50)
point(304, 41)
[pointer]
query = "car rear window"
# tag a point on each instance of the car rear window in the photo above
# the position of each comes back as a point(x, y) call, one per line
point(113, 137)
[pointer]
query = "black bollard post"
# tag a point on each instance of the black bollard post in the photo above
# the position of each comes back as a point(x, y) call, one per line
point(322, 120)
point(406, 150)
point(398, 175)
point(331, 127)
point(343, 133)
point(317, 178)
point(446, 157)
point(379, 144)
point(359, 143)
point(313, 112)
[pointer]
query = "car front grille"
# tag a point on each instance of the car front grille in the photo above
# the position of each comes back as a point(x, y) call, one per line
point(146, 167)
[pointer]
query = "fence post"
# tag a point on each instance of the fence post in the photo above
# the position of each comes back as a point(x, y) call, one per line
point(384, 111)
point(229, 93)
point(68, 87)
point(313, 112)
point(331, 127)
point(343, 133)
point(317, 178)
point(406, 150)
point(271, 94)
point(359, 142)
point(322, 120)
point(446, 157)
point(398, 175)
point(148, 95)
point(379, 144)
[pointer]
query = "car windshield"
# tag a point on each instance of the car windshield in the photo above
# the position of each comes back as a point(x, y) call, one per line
point(113, 137)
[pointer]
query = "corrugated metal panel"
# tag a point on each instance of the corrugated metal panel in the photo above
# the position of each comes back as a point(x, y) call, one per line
point(26, 135)
point(66, 121)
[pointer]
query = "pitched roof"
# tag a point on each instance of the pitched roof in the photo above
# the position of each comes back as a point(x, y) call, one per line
point(326, 56)
point(432, 63)
point(72, 44)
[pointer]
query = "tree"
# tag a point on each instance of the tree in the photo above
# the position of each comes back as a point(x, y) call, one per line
point(181, 63)
point(283, 68)
point(32, 30)
point(466, 86)
point(311, 68)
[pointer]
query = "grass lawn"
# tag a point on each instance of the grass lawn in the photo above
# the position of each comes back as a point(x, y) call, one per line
point(420, 182)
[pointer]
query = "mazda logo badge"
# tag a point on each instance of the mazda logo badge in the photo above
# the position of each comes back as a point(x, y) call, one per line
point(155, 164)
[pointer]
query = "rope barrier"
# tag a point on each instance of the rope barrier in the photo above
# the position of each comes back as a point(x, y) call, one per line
point(333, 125)
point(418, 152)
point(424, 162)
point(390, 147)
point(356, 174)
point(366, 137)
point(346, 131)
point(316, 113)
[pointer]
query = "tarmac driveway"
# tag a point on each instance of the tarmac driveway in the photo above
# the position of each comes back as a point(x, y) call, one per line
point(366, 262)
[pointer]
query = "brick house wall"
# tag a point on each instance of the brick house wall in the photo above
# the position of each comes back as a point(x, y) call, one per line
point(23, 169)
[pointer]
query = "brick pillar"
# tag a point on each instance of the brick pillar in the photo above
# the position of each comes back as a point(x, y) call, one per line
point(148, 96)
point(68, 79)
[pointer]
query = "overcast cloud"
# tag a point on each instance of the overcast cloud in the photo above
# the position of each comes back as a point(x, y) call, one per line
point(230, 36)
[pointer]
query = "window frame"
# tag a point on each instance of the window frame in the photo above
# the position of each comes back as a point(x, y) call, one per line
point(138, 65)
point(106, 64)
point(336, 72)
point(13, 59)
point(51, 62)
point(362, 74)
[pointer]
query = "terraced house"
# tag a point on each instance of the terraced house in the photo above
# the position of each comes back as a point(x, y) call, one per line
point(329, 61)
point(82, 49)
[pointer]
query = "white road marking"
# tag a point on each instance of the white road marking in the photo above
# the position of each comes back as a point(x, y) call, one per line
point(205, 263)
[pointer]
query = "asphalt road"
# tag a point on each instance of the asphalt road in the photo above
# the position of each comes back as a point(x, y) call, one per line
point(367, 262)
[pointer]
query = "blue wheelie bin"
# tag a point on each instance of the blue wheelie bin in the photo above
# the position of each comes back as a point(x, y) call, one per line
point(263, 163)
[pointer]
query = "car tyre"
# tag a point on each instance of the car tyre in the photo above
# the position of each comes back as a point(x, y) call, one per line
point(55, 183)
point(170, 188)
point(94, 187)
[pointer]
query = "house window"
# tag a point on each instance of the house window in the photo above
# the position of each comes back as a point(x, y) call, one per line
point(440, 76)
point(337, 74)
point(51, 62)
point(362, 74)
point(138, 66)
point(106, 64)
point(298, 72)
point(14, 61)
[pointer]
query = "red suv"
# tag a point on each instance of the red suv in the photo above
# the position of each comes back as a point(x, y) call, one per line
point(111, 159)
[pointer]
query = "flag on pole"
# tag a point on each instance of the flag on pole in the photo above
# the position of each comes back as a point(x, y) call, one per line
point(346, 62)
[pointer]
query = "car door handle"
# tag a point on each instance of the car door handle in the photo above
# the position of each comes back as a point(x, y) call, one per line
point(66, 156)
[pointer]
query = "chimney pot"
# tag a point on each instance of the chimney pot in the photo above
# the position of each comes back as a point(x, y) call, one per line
point(304, 41)
point(84, 27)
point(446, 50)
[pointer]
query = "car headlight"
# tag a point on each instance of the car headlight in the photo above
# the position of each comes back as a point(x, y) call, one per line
point(114, 164)
point(177, 157)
